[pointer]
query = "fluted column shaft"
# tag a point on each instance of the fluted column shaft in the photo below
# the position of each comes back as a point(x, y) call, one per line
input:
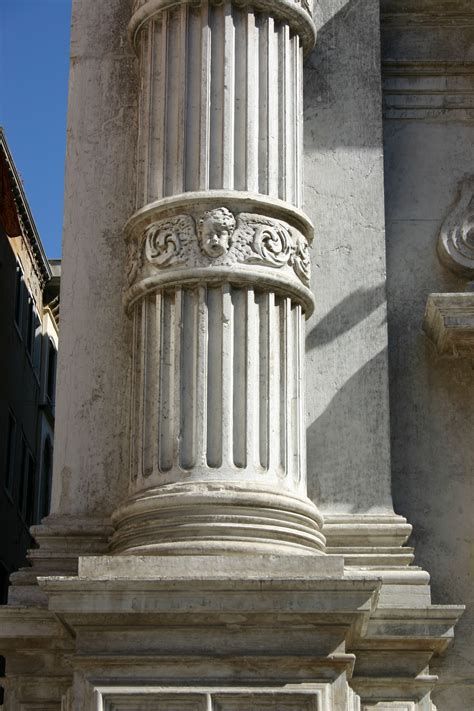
point(218, 282)
point(221, 103)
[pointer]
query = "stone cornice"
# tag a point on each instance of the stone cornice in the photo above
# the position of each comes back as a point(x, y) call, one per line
point(30, 232)
point(449, 323)
point(427, 89)
point(427, 14)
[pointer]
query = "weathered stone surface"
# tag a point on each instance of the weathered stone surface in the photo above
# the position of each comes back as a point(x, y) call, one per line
point(346, 341)
point(203, 588)
point(93, 365)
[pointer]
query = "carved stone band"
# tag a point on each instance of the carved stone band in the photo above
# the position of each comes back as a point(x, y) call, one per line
point(218, 239)
point(296, 13)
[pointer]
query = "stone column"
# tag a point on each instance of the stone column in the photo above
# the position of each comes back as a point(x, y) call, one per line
point(218, 278)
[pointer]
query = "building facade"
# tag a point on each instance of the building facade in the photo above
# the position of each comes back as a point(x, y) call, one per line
point(29, 335)
point(247, 513)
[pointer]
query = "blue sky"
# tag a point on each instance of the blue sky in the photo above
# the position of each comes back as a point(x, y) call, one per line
point(34, 66)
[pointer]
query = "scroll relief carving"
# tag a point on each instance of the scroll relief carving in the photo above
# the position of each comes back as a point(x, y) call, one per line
point(220, 238)
point(456, 239)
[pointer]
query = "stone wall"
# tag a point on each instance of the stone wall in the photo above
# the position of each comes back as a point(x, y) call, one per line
point(346, 344)
point(428, 69)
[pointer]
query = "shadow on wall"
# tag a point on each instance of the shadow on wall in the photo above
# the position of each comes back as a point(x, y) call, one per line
point(339, 452)
point(335, 449)
point(342, 77)
point(347, 314)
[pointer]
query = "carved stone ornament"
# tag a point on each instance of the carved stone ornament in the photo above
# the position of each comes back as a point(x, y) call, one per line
point(217, 237)
point(134, 262)
point(456, 239)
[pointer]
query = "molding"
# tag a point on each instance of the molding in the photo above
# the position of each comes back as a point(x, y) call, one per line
point(428, 90)
point(293, 697)
point(373, 541)
point(296, 13)
point(42, 266)
point(234, 200)
point(449, 323)
point(426, 14)
point(217, 518)
point(60, 541)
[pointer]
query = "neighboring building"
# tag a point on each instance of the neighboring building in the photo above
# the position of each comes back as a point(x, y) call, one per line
point(29, 313)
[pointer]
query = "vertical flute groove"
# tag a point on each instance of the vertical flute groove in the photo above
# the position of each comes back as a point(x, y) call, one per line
point(193, 103)
point(283, 87)
point(177, 374)
point(239, 409)
point(140, 195)
point(274, 402)
point(227, 375)
point(252, 104)
point(285, 375)
point(264, 109)
point(299, 122)
point(300, 420)
point(205, 107)
point(148, 158)
point(158, 116)
point(292, 398)
point(273, 111)
point(264, 384)
point(167, 403)
point(142, 396)
point(217, 15)
point(157, 379)
point(133, 397)
point(188, 378)
point(228, 90)
point(214, 377)
point(289, 169)
point(239, 107)
point(174, 95)
point(252, 389)
point(150, 367)
point(201, 376)
point(180, 164)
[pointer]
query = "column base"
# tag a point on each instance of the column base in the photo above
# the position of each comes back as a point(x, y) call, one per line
point(212, 518)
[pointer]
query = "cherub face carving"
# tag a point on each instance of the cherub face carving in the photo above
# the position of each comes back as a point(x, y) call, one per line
point(216, 229)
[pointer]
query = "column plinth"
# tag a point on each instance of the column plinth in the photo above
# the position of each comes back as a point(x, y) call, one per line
point(217, 284)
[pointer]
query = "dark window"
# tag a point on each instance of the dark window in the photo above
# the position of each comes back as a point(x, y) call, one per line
point(51, 383)
point(47, 475)
point(37, 344)
point(27, 485)
point(19, 297)
point(4, 575)
point(30, 327)
point(10, 463)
